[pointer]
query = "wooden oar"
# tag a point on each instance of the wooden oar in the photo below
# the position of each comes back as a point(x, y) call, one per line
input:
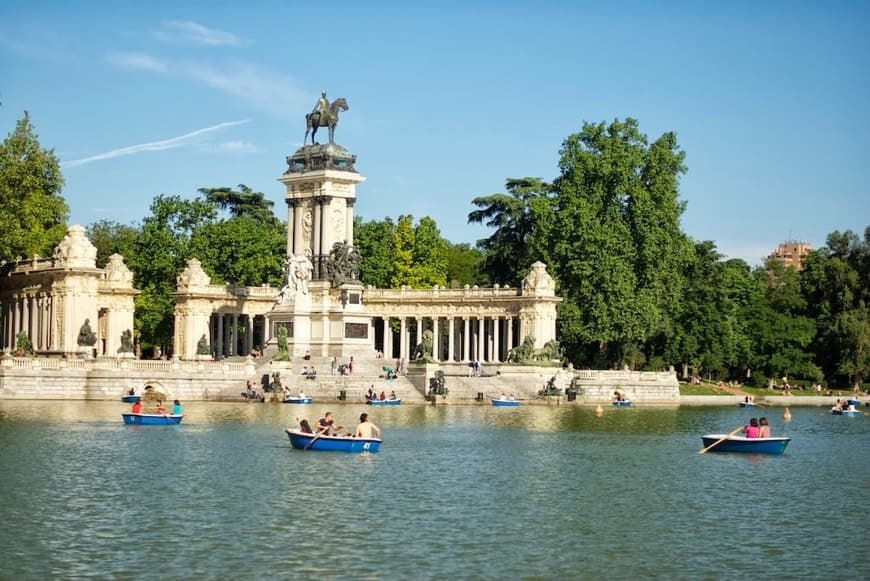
point(314, 439)
point(719, 441)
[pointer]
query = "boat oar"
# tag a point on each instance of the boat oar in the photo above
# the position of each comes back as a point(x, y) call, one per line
point(314, 439)
point(719, 441)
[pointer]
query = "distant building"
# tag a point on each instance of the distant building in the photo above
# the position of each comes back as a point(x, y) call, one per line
point(791, 253)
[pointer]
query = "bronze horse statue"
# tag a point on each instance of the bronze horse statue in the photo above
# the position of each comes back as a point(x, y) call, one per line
point(313, 120)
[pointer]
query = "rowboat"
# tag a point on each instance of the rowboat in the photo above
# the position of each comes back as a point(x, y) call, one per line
point(505, 403)
point(130, 398)
point(151, 419)
point(747, 404)
point(853, 401)
point(303, 441)
point(384, 401)
point(622, 402)
point(846, 412)
point(297, 399)
point(742, 444)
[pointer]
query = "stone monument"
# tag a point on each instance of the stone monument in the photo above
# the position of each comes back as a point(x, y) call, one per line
point(320, 304)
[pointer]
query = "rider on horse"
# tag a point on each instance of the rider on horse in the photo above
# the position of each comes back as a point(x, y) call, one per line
point(322, 107)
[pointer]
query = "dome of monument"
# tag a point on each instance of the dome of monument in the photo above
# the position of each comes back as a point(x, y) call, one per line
point(75, 250)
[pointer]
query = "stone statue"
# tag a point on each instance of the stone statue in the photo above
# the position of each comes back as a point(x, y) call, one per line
point(343, 264)
point(282, 354)
point(550, 388)
point(126, 342)
point(323, 116)
point(297, 275)
point(86, 338)
point(202, 347)
point(438, 385)
point(524, 352)
point(423, 352)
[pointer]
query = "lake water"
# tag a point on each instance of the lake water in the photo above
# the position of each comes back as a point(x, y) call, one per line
point(470, 492)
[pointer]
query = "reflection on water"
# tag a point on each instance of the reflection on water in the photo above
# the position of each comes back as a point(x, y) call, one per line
point(456, 491)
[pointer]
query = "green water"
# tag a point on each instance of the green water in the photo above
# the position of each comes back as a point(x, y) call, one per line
point(470, 492)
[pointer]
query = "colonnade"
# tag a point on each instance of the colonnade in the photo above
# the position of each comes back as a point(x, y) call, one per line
point(486, 339)
point(233, 334)
point(31, 313)
point(312, 216)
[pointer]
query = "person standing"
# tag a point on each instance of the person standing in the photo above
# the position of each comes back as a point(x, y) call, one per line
point(366, 429)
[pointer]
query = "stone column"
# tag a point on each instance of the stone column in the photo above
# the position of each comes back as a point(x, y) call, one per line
point(25, 316)
point(466, 343)
point(348, 219)
point(419, 333)
point(326, 229)
point(298, 215)
point(403, 339)
point(451, 337)
point(291, 225)
point(267, 330)
point(388, 339)
point(315, 236)
point(510, 335)
point(481, 335)
point(436, 340)
point(496, 340)
point(249, 334)
point(234, 336)
point(219, 339)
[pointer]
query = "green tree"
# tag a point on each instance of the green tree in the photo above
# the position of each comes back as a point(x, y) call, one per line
point(615, 243)
point(244, 251)
point(519, 219)
point(374, 241)
point(242, 203)
point(32, 211)
point(110, 238)
point(161, 253)
point(465, 265)
point(430, 255)
point(402, 268)
point(836, 282)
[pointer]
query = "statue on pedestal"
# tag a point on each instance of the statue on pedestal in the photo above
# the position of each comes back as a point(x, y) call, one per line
point(324, 115)
point(86, 338)
point(126, 342)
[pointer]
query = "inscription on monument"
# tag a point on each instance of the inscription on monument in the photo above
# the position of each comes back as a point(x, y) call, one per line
point(356, 331)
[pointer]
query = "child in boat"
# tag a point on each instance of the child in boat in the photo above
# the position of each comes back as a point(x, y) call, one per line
point(751, 430)
point(160, 408)
point(305, 427)
point(763, 428)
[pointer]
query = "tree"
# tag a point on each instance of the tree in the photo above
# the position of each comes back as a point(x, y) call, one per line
point(242, 203)
point(430, 255)
point(110, 238)
point(374, 241)
point(243, 250)
point(465, 265)
point(518, 218)
point(836, 283)
point(32, 211)
point(616, 246)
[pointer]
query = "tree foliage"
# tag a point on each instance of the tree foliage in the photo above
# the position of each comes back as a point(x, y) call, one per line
point(465, 265)
point(33, 213)
point(112, 238)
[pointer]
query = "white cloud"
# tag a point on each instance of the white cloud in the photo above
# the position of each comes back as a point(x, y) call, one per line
point(232, 147)
point(138, 60)
point(267, 90)
point(171, 143)
point(188, 32)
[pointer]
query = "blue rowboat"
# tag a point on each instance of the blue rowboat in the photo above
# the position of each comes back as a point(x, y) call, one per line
point(152, 419)
point(297, 399)
point(622, 403)
point(505, 403)
point(748, 445)
point(130, 398)
point(846, 412)
point(385, 401)
point(747, 404)
point(303, 441)
point(853, 401)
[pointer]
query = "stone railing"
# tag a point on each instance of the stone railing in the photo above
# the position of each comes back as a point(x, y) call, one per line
point(110, 364)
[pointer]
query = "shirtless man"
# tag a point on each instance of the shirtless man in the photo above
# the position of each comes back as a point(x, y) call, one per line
point(366, 429)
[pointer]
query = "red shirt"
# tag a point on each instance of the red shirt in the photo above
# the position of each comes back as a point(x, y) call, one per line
point(137, 407)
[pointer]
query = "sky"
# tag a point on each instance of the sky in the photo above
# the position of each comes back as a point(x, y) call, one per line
point(769, 101)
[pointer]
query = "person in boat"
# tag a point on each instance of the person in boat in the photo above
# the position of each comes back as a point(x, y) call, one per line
point(366, 429)
point(301, 394)
point(176, 408)
point(392, 395)
point(326, 425)
point(160, 408)
point(763, 428)
point(305, 427)
point(383, 396)
point(751, 430)
point(503, 397)
point(131, 392)
point(511, 397)
point(137, 407)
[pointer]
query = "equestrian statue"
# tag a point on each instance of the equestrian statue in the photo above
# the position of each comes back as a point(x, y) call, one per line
point(324, 115)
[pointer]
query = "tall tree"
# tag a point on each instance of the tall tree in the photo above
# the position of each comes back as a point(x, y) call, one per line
point(374, 241)
point(465, 265)
point(32, 211)
point(430, 255)
point(616, 244)
point(111, 237)
point(519, 219)
point(836, 281)
point(242, 250)
point(241, 203)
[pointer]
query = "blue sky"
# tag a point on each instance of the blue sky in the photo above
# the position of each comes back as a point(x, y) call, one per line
point(449, 99)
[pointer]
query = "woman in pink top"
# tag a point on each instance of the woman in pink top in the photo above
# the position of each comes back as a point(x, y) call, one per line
point(752, 429)
point(763, 428)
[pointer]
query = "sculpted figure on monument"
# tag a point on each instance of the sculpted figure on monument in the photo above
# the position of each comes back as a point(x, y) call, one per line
point(126, 342)
point(297, 275)
point(86, 338)
point(202, 346)
point(343, 263)
point(325, 114)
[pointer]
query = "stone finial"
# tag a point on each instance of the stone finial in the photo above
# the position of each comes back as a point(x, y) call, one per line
point(117, 271)
point(193, 275)
point(75, 250)
point(538, 281)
